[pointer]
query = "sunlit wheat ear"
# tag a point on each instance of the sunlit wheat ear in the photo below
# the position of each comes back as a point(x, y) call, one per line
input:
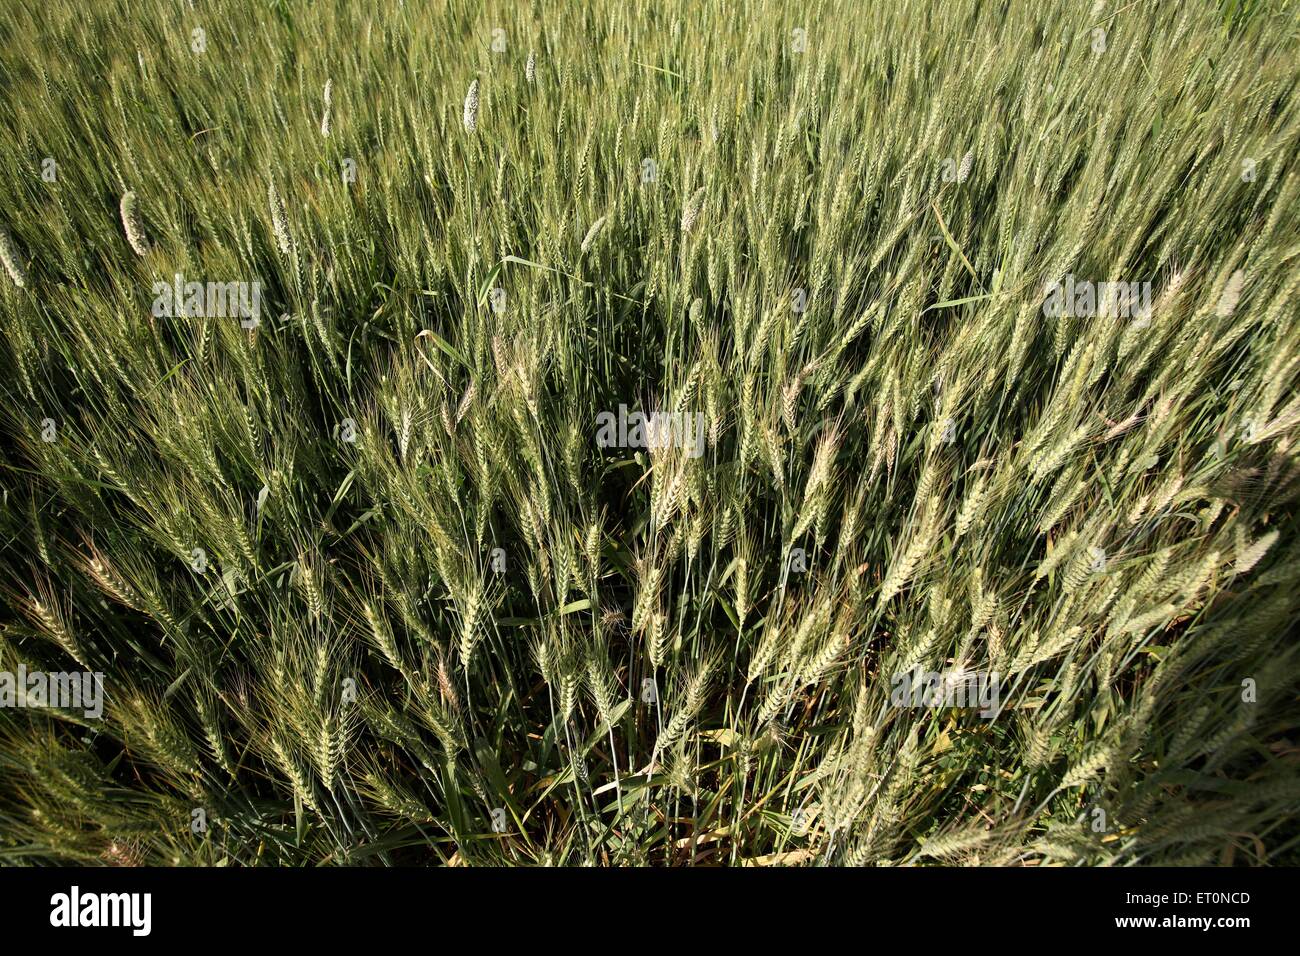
point(471, 617)
point(122, 853)
point(466, 400)
point(1231, 295)
point(1248, 557)
point(134, 228)
point(471, 108)
point(589, 238)
point(279, 221)
point(963, 170)
point(692, 211)
point(530, 69)
point(325, 116)
point(1175, 285)
point(9, 256)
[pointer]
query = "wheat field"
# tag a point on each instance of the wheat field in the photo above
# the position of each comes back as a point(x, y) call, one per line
point(557, 433)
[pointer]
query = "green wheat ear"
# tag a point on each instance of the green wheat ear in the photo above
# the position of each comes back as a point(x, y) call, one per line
point(371, 579)
point(279, 221)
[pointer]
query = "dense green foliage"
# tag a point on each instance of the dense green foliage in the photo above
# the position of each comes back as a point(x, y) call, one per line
point(826, 228)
